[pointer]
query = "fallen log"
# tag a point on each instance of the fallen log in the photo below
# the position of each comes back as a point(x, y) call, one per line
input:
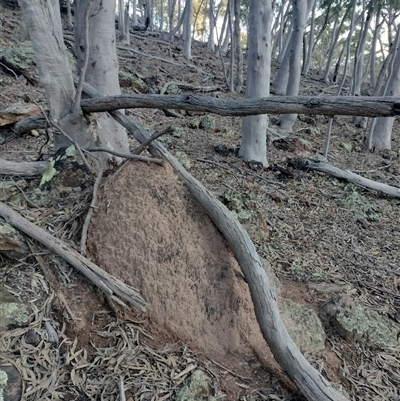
point(309, 381)
point(325, 105)
point(307, 164)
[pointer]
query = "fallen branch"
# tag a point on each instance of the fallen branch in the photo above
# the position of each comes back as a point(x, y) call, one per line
point(107, 283)
point(22, 169)
point(306, 164)
point(126, 155)
point(310, 382)
point(329, 105)
point(152, 138)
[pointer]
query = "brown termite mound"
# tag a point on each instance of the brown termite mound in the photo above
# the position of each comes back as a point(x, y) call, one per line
point(149, 232)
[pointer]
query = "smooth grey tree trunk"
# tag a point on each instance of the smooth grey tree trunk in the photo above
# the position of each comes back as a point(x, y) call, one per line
point(359, 62)
point(43, 21)
point(359, 68)
point(307, 59)
point(254, 128)
point(187, 36)
point(134, 13)
point(102, 68)
point(121, 17)
point(224, 32)
point(69, 15)
point(380, 134)
point(238, 48)
point(372, 70)
point(181, 19)
point(126, 39)
point(299, 23)
point(211, 44)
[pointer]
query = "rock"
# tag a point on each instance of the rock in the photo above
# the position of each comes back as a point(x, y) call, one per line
point(304, 327)
point(355, 322)
point(195, 388)
point(10, 383)
point(12, 311)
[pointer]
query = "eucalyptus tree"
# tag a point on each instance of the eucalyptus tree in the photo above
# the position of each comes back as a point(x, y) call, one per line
point(96, 54)
point(380, 133)
point(187, 30)
point(254, 128)
point(301, 9)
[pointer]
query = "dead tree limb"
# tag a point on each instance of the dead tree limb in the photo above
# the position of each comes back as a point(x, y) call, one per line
point(306, 164)
point(107, 283)
point(310, 382)
point(22, 169)
point(327, 105)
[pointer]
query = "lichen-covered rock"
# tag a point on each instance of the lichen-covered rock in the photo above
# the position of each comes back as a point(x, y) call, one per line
point(10, 383)
point(195, 388)
point(355, 322)
point(304, 327)
point(12, 311)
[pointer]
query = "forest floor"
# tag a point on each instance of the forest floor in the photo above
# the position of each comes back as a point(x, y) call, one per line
point(322, 236)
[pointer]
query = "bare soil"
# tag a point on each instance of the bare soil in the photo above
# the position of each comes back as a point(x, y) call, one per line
point(321, 236)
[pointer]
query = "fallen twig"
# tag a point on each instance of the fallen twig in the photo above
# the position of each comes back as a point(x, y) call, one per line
point(152, 138)
point(126, 155)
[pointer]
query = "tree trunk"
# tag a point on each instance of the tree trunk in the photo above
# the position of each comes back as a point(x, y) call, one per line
point(358, 73)
point(299, 22)
point(359, 60)
point(211, 44)
point(126, 40)
point(254, 128)
point(238, 47)
point(134, 13)
point(69, 15)
point(43, 21)
point(102, 68)
point(187, 51)
point(308, 58)
point(224, 32)
point(121, 17)
point(380, 134)
point(372, 70)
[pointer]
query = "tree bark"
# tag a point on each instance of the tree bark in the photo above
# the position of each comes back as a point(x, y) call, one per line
point(238, 47)
point(286, 121)
point(380, 135)
point(187, 51)
point(368, 106)
point(254, 128)
point(102, 68)
point(43, 21)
